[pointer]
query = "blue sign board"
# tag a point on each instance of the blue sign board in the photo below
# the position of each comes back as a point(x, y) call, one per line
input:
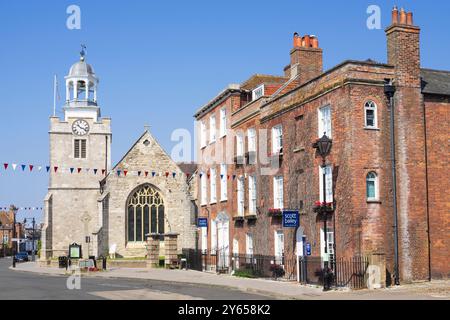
point(291, 219)
point(202, 222)
point(308, 249)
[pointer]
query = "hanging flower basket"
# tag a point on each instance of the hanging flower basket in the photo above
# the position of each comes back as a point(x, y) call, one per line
point(275, 212)
point(323, 207)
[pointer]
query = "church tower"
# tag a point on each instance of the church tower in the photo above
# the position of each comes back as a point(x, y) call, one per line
point(80, 149)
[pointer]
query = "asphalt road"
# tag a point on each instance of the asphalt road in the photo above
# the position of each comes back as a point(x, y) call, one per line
point(17, 285)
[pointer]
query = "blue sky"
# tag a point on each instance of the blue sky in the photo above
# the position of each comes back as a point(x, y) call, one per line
point(158, 61)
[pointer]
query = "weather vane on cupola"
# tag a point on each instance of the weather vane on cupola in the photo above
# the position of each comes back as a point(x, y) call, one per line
point(83, 52)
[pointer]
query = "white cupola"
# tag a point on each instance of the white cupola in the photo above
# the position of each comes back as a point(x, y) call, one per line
point(81, 91)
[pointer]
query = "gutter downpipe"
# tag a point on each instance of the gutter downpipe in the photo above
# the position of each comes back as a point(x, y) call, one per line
point(389, 90)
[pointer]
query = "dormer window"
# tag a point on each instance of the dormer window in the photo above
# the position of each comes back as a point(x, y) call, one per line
point(258, 92)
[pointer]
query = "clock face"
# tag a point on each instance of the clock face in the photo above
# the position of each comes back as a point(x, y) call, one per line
point(80, 127)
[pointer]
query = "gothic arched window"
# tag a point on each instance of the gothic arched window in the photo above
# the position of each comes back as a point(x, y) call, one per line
point(145, 213)
point(372, 186)
point(370, 114)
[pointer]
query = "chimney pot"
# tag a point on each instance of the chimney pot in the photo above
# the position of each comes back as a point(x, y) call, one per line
point(402, 16)
point(395, 15)
point(314, 42)
point(409, 18)
point(307, 41)
point(297, 40)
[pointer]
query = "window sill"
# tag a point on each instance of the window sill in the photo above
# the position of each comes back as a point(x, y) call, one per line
point(203, 147)
point(212, 142)
point(214, 202)
point(223, 200)
point(373, 201)
point(223, 136)
point(372, 128)
point(203, 204)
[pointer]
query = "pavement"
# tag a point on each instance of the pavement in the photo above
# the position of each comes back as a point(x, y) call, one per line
point(434, 290)
point(29, 285)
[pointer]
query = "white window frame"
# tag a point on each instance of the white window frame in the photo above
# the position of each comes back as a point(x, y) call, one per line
point(213, 186)
point(240, 147)
point(329, 182)
point(249, 244)
point(258, 92)
point(277, 139)
point(223, 182)
point(241, 196)
point(278, 192)
point(203, 141)
point(212, 129)
point(235, 247)
point(204, 190)
point(251, 134)
point(324, 121)
point(375, 180)
point(223, 122)
point(204, 239)
point(252, 194)
point(213, 236)
point(371, 105)
point(278, 245)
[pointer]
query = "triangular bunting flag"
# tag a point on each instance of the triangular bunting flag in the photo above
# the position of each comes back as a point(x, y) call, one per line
point(56, 169)
point(139, 173)
point(174, 174)
point(23, 167)
point(153, 173)
point(48, 168)
point(234, 176)
point(167, 174)
point(221, 176)
point(95, 171)
point(5, 165)
point(103, 171)
point(39, 168)
point(79, 170)
point(14, 166)
point(71, 170)
point(87, 170)
point(146, 173)
point(31, 167)
point(125, 172)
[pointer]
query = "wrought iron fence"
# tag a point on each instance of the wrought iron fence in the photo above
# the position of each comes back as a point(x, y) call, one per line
point(346, 272)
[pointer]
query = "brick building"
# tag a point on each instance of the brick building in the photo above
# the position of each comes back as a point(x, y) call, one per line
point(6, 230)
point(256, 158)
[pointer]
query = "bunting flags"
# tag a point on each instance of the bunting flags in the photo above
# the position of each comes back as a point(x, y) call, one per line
point(56, 169)
point(6, 208)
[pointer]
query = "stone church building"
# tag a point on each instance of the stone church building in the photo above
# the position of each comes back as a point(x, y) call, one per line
point(89, 202)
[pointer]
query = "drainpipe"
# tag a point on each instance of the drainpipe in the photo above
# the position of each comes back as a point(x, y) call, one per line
point(389, 90)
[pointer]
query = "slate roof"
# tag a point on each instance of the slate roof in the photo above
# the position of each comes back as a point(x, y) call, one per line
point(435, 82)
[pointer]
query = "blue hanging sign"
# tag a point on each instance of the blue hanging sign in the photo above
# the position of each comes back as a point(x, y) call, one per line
point(202, 222)
point(291, 219)
point(308, 249)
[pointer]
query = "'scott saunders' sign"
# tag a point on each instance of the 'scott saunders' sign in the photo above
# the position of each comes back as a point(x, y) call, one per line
point(202, 222)
point(290, 219)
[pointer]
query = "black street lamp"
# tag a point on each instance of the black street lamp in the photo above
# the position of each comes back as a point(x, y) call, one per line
point(33, 247)
point(323, 146)
point(3, 239)
point(14, 246)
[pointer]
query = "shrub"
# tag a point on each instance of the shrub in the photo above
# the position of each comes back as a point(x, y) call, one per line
point(245, 273)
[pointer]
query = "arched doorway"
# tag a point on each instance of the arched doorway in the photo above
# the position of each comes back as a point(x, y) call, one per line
point(145, 213)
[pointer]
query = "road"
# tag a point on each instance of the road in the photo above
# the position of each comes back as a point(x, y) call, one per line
point(23, 285)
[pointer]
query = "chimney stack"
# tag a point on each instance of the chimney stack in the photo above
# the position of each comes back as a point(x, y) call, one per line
point(306, 58)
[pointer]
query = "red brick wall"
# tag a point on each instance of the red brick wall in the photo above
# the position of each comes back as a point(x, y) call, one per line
point(438, 113)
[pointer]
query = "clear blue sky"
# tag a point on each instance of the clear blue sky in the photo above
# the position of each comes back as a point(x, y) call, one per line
point(158, 61)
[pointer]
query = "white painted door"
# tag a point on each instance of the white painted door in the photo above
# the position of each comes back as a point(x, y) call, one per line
point(223, 243)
